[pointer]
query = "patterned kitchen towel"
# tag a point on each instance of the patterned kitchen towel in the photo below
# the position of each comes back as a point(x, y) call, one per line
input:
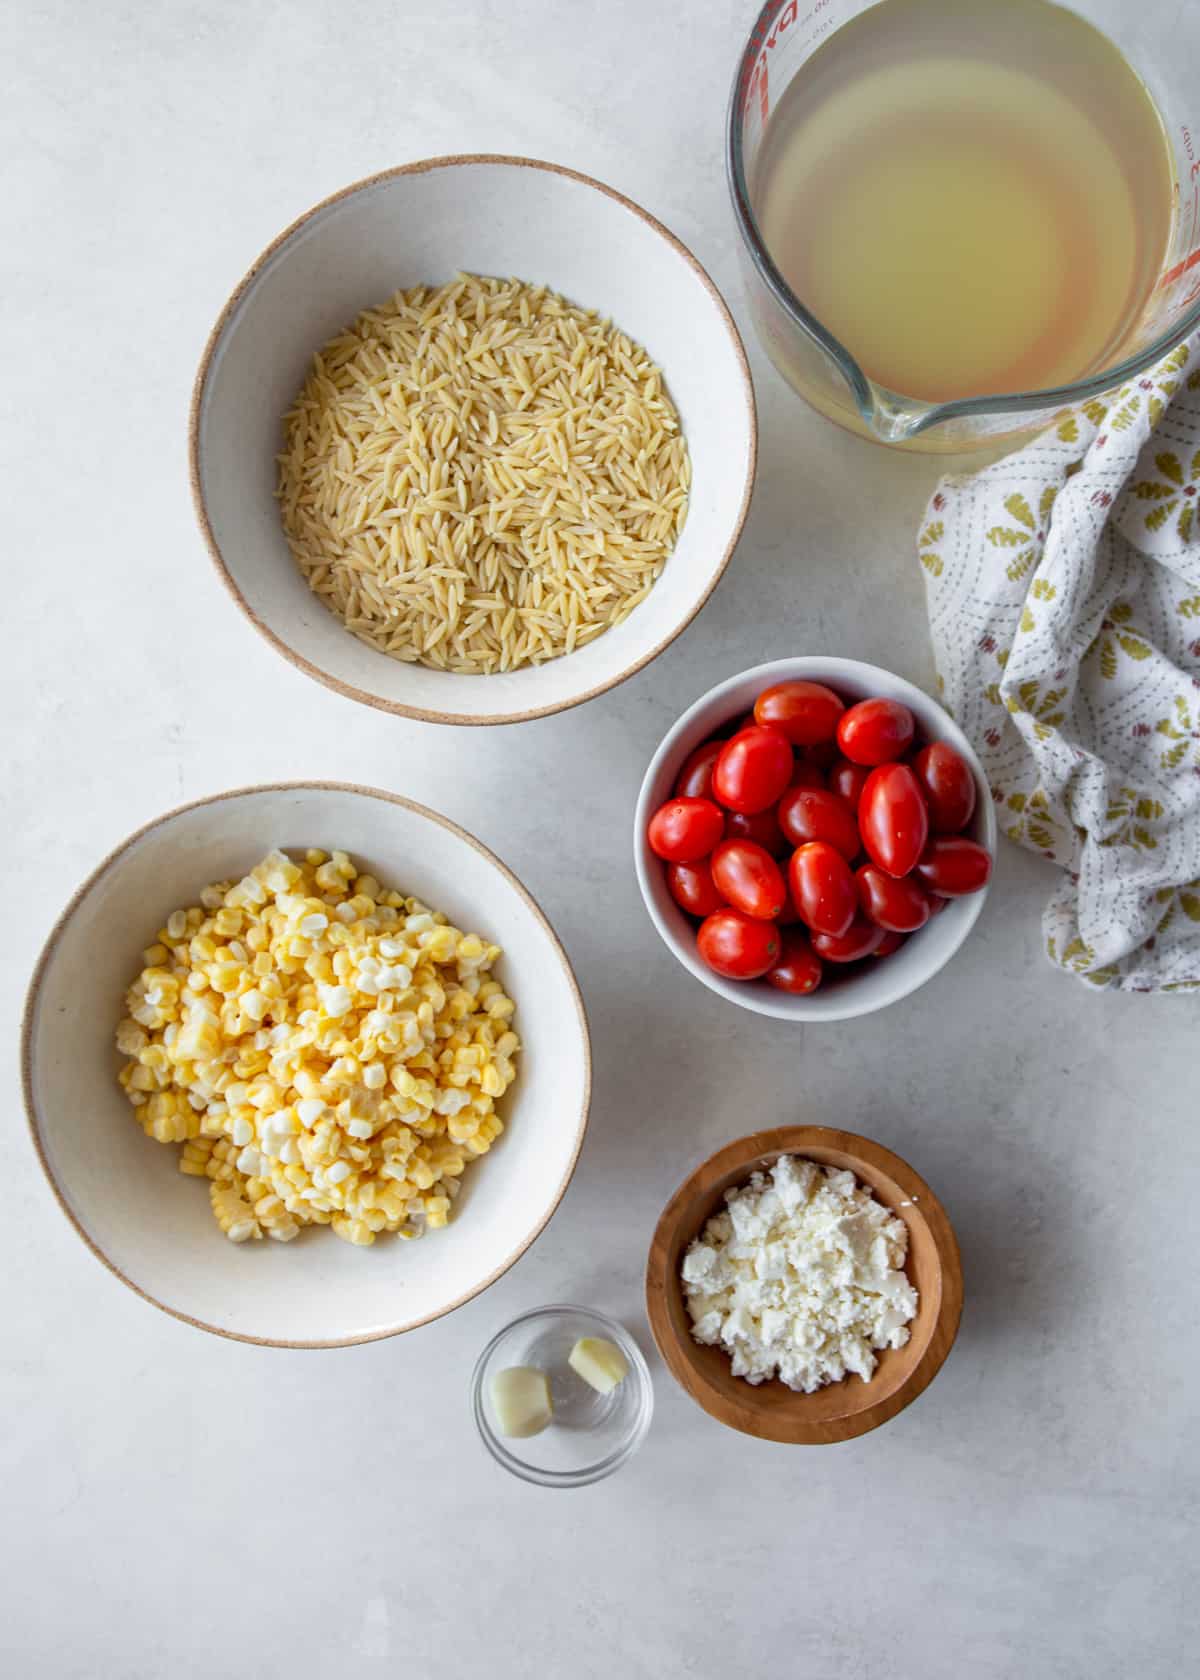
point(1064, 603)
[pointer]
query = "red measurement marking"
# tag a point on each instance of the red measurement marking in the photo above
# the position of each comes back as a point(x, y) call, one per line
point(1173, 274)
point(768, 36)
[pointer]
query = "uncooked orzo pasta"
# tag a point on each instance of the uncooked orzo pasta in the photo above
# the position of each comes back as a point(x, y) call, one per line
point(482, 476)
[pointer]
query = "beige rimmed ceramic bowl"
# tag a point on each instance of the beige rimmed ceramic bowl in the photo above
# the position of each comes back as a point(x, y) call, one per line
point(149, 1223)
point(422, 223)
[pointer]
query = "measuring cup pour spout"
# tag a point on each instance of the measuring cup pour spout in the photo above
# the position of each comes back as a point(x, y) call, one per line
point(895, 419)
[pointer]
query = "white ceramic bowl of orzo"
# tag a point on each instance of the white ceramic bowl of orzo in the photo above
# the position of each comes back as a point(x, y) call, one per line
point(463, 531)
point(152, 1224)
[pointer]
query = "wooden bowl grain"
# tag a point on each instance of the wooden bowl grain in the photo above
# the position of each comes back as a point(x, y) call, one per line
point(839, 1411)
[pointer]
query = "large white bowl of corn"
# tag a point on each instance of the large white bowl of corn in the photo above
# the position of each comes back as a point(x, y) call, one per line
point(305, 1064)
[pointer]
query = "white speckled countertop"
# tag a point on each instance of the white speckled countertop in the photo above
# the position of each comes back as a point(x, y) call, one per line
point(178, 1506)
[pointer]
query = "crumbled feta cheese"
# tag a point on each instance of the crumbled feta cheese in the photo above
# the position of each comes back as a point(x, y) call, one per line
point(800, 1276)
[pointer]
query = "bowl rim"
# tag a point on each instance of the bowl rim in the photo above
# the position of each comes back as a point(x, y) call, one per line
point(795, 1140)
point(32, 999)
point(423, 166)
point(822, 668)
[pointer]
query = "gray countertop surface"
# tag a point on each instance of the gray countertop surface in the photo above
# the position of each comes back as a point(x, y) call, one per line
point(177, 1505)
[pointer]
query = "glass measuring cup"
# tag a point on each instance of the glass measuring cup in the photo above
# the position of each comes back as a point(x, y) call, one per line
point(783, 39)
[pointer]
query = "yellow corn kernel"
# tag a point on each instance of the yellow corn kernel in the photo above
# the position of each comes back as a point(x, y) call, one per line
point(233, 1213)
point(355, 1231)
point(460, 1005)
point(448, 1162)
point(131, 1039)
point(254, 1004)
point(437, 1211)
point(440, 945)
point(169, 1121)
point(200, 1040)
point(194, 1157)
point(219, 1165)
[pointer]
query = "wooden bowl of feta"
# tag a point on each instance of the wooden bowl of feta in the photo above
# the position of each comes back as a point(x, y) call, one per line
point(804, 1285)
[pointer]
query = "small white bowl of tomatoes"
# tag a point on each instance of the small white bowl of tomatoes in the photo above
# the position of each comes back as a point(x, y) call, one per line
point(814, 838)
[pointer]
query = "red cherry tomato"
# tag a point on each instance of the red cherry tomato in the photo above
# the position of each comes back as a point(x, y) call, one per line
point(806, 774)
point(735, 726)
point(693, 888)
point(952, 867)
point(816, 814)
point(861, 939)
point(694, 781)
point(949, 786)
point(889, 943)
point(876, 731)
point(738, 946)
point(822, 887)
point(683, 830)
point(748, 877)
point(898, 906)
point(753, 769)
point(760, 826)
point(798, 969)
point(892, 818)
point(845, 778)
point(807, 712)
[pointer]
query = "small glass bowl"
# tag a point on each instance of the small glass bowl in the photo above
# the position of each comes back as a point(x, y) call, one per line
point(592, 1434)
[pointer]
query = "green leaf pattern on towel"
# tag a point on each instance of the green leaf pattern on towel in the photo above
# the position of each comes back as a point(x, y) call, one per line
point(1064, 591)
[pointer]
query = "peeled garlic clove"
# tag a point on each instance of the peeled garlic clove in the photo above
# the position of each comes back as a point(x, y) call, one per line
point(521, 1401)
point(600, 1363)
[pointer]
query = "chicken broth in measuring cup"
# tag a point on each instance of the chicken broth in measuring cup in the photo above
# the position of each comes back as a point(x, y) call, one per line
point(973, 198)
